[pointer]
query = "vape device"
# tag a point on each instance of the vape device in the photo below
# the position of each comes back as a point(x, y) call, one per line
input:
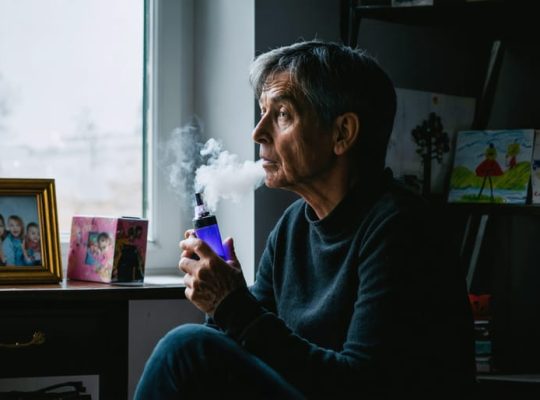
point(206, 227)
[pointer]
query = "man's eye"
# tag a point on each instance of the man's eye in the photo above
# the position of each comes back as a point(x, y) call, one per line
point(283, 114)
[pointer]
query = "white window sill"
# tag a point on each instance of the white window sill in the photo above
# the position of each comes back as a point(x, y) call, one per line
point(163, 279)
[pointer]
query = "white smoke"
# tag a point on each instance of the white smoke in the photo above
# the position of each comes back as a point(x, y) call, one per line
point(224, 176)
point(180, 157)
point(195, 167)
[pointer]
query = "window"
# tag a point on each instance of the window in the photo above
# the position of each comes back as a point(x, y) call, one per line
point(89, 92)
point(71, 101)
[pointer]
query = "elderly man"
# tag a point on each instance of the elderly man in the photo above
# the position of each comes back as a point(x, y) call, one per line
point(347, 299)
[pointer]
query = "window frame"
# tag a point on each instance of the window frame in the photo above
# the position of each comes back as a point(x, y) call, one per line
point(168, 103)
point(166, 42)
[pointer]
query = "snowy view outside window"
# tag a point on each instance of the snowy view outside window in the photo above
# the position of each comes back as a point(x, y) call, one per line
point(71, 91)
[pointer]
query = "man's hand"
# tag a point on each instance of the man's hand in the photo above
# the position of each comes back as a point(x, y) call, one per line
point(209, 279)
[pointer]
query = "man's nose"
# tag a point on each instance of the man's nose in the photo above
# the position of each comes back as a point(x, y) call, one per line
point(260, 133)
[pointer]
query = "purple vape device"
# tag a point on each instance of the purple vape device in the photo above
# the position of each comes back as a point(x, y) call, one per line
point(206, 227)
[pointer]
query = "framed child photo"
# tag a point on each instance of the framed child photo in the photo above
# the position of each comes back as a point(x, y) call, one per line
point(29, 237)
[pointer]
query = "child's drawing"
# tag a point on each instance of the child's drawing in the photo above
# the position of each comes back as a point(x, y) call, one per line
point(492, 166)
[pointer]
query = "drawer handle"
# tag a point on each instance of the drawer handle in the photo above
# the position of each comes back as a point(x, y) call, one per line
point(37, 339)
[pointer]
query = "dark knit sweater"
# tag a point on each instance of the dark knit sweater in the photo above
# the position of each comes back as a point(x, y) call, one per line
point(356, 302)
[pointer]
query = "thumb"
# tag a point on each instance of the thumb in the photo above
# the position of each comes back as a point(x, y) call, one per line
point(230, 253)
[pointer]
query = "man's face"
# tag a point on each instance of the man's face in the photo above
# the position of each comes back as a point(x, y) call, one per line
point(295, 150)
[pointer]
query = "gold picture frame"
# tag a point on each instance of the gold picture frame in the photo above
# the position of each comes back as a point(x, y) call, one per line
point(28, 210)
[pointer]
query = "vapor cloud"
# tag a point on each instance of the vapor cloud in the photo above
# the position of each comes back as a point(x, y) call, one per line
point(196, 167)
point(224, 176)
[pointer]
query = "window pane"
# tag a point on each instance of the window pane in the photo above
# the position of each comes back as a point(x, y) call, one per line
point(71, 90)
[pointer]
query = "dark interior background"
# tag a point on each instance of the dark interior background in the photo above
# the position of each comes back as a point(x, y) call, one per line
point(450, 60)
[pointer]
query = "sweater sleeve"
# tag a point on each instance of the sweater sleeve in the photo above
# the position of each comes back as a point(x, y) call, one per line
point(240, 308)
point(385, 330)
point(263, 288)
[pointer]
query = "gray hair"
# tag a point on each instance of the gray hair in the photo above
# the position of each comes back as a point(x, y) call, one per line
point(335, 79)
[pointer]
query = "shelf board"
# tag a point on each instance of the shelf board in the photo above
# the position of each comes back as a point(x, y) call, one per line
point(493, 209)
point(70, 290)
point(499, 18)
point(519, 378)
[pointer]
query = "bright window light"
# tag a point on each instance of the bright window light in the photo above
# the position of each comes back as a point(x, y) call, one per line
point(71, 101)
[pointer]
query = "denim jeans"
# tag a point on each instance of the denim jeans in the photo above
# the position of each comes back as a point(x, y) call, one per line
point(197, 361)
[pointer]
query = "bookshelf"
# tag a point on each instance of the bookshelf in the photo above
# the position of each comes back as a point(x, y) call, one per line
point(493, 209)
point(498, 17)
point(499, 24)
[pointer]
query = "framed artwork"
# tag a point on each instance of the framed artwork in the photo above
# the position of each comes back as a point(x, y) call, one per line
point(535, 173)
point(492, 166)
point(29, 237)
point(405, 152)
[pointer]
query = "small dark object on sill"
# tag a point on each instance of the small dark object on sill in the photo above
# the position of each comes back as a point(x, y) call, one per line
point(76, 391)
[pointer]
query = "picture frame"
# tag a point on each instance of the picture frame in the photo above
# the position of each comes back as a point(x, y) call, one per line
point(29, 235)
point(492, 166)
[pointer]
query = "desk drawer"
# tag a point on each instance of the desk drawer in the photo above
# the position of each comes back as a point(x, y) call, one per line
point(74, 339)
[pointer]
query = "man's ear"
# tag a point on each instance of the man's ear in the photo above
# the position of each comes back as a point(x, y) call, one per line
point(346, 131)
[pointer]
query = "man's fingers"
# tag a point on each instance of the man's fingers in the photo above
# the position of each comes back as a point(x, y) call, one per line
point(197, 246)
point(187, 265)
point(188, 281)
point(228, 246)
point(189, 232)
point(186, 253)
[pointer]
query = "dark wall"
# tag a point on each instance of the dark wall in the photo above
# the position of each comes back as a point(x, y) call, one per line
point(440, 60)
point(279, 23)
point(517, 103)
point(509, 266)
point(508, 270)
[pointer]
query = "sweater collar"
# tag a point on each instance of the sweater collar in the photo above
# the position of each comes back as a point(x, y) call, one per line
point(345, 216)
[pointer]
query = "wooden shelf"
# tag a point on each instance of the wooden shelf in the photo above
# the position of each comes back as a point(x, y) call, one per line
point(79, 290)
point(492, 209)
point(522, 378)
point(470, 13)
point(502, 19)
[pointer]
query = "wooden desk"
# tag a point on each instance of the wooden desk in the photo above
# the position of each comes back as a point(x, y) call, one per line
point(85, 329)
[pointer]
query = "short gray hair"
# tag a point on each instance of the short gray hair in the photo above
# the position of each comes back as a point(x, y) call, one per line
point(335, 79)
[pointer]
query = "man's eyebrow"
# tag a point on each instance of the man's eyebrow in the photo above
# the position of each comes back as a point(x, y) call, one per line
point(286, 98)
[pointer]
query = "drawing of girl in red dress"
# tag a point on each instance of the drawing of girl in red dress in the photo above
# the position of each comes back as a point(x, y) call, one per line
point(512, 151)
point(488, 168)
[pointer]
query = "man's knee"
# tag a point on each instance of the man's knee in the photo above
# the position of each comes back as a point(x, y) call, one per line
point(189, 337)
